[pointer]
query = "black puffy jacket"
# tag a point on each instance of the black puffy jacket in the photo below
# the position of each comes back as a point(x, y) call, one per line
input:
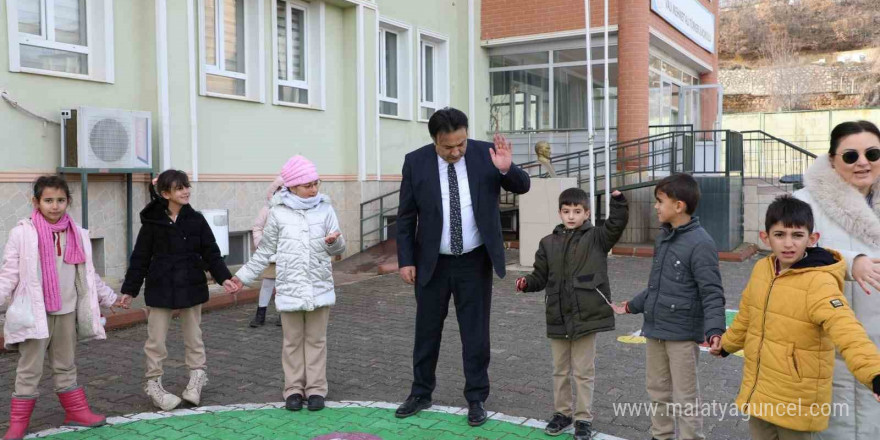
point(173, 257)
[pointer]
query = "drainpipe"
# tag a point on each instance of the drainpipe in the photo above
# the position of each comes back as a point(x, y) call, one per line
point(361, 97)
point(472, 57)
point(193, 82)
point(162, 74)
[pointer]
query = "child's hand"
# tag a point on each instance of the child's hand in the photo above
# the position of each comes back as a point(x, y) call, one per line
point(521, 284)
point(330, 239)
point(715, 346)
point(232, 285)
point(615, 193)
point(123, 301)
point(619, 309)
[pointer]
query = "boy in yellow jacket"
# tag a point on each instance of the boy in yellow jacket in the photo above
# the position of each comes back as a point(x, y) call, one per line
point(791, 317)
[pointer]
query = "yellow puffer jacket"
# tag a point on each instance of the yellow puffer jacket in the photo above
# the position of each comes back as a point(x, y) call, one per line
point(788, 326)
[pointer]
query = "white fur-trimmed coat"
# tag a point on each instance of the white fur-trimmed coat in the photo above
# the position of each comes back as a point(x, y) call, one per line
point(847, 224)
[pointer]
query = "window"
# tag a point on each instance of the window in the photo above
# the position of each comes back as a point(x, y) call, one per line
point(388, 73)
point(548, 89)
point(298, 47)
point(69, 38)
point(394, 64)
point(230, 49)
point(433, 74)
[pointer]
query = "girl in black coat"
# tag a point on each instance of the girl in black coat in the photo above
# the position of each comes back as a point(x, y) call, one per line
point(174, 248)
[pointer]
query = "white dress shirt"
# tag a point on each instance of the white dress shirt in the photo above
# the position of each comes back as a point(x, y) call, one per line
point(470, 234)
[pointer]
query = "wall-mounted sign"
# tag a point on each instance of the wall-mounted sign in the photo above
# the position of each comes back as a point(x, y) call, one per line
point(691, 18)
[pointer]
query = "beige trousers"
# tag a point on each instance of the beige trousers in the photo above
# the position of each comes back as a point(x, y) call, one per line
point(304, 352)
point(157, 331)
point(60, 347)
point(574, 359)
point(762, 430)
point(671, 380)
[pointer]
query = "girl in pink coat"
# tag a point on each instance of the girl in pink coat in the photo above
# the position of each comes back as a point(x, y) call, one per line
point(56, 295)
point(268, 286)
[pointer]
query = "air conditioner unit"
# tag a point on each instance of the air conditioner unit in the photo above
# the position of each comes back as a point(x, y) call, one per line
point(106, 138)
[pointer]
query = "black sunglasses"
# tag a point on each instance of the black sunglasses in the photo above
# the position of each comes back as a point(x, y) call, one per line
point(850, 157)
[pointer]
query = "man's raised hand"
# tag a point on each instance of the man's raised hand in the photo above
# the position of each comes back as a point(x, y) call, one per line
point(502, 154)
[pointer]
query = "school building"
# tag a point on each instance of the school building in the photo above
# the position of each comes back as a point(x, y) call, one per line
point(227, 90)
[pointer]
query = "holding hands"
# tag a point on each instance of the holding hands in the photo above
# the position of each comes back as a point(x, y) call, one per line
point(233, 285)
point(123, 301)
point(715, 346)
point(619, 309)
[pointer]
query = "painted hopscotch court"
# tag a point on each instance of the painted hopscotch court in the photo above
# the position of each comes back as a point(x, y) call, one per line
point(339, 421)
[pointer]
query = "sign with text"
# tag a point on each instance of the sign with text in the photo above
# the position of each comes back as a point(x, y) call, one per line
point(691, 18)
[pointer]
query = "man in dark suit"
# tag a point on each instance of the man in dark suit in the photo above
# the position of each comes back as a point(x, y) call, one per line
point(448, 241)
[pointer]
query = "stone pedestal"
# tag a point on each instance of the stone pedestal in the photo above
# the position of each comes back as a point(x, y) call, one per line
point(539, 214)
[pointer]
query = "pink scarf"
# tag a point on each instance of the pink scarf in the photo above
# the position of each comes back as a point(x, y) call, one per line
point(73, 254)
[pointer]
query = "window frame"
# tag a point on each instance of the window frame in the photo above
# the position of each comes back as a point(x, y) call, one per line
point(253, 41)
point(314, 55)
point(306, 64)
point(406, 65)
point(99, 47)
point(383, 69)
point(440, 55)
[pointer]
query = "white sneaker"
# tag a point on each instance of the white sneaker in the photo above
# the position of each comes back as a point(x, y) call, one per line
point(193, 392)
point(161, 398)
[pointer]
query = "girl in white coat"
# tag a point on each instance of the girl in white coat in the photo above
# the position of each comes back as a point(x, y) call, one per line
point(56, 297)
point(302, 232)
point(843, 188)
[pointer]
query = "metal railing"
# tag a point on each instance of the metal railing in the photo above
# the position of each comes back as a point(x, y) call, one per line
point(377, 221)
point(640, 163)
point(774, 160)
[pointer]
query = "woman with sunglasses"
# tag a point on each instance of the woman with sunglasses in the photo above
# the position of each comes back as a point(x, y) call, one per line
point(843, 188)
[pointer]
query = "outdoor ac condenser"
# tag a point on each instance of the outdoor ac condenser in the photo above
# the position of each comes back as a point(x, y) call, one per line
point(106, 138)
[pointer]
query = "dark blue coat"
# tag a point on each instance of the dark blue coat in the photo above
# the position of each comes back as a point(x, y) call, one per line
point(420, 214)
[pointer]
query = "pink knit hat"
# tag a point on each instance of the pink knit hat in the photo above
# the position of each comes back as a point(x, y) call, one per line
point(297, 171)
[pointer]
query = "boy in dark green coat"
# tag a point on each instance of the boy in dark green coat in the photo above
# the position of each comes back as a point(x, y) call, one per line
point(572, 265)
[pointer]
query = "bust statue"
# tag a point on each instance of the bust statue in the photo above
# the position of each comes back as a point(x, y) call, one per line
point(542, 150)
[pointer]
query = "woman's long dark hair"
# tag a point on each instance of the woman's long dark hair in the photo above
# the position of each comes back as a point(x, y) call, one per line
point(850, 128)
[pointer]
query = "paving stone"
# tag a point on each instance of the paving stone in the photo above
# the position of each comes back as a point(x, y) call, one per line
point(370, 339)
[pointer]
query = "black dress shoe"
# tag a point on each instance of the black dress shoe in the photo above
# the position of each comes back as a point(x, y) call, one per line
point(294, 402)
point(583, 430)
point(316, 402)
point(477, 415)
point(557, 424)
point(412, 406)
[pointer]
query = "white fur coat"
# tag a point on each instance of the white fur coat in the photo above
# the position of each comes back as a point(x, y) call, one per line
point(847, 224)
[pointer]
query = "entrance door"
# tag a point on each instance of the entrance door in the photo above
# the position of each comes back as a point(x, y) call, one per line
point(707, 144)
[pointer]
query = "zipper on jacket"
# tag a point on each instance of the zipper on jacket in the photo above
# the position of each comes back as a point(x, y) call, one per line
point(761, 342)
point(659, 277)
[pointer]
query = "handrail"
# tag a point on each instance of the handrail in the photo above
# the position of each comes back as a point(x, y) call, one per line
point(782, 141)
point(380, 214)
point(645, 160)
